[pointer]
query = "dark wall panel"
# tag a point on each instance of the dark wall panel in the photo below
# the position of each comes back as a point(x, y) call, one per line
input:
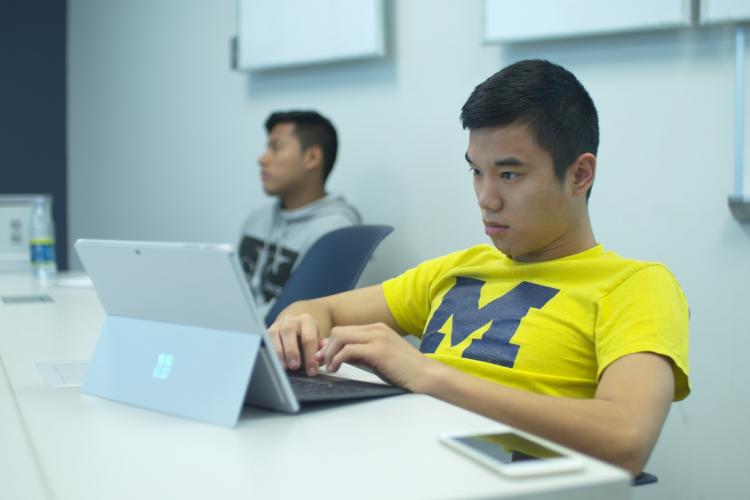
point(33, 104)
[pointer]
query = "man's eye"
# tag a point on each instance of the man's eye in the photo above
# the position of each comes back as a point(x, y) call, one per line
point(508, 175)
point(474, 171)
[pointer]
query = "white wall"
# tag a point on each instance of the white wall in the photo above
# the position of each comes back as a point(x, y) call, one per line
point(163, 138)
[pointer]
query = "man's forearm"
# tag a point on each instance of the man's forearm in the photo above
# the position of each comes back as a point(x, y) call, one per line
point(605, 429)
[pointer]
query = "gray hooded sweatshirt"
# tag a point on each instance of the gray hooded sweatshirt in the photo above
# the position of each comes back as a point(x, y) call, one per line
point(273, 241)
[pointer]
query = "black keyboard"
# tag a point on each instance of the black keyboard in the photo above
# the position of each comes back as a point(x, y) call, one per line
point(329, 388)
point(316, 385)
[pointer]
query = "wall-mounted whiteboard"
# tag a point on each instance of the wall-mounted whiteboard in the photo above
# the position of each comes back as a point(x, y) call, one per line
point(517, 21)
point(724, 11)
point(277, 33)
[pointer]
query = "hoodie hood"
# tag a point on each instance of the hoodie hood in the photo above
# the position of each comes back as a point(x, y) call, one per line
point(329, 205)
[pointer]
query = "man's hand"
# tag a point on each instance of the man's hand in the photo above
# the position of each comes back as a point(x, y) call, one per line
point(296, 339)
point(378, 347)
point(299, 329)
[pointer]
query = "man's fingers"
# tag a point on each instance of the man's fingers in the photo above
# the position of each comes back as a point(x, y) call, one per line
point(347, 353)
point(288, 334)
point(273, 332)
point(351, 334)
point(340, 338)
point(309, 340)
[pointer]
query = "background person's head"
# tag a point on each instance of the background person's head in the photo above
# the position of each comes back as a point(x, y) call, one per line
point(546, 98)
point(299, 156)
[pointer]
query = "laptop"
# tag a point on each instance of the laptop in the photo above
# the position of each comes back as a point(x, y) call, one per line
point(182, 335)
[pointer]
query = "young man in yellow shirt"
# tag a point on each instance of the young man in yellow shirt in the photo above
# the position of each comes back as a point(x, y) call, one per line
point(545, 330)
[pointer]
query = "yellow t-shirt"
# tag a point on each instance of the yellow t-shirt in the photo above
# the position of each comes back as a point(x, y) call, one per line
point(549, 327)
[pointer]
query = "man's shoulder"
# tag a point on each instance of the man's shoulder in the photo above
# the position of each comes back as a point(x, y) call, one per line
point(320, 224)
point(628, 268)
point(323, 216)
point(334, 209)
point(331, 219)
point(613, 277)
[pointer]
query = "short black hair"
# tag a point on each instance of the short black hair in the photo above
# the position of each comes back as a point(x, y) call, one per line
point(548, 99)
point(312, 129)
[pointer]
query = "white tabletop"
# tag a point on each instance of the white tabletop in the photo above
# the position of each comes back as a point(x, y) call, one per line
point(69, 446)
point(20, 475)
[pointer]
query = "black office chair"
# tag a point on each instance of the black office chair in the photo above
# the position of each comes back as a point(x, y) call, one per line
point(644, 478)
point(332, 265)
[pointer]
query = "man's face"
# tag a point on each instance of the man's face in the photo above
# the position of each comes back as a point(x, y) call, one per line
point(528, 213)
point(282, 164)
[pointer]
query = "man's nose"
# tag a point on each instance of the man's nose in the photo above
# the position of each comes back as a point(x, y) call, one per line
point(488, 198)
point(263, 159)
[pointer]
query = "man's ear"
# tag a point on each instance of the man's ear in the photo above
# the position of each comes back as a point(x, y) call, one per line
point(581, 174)
point(312, 157)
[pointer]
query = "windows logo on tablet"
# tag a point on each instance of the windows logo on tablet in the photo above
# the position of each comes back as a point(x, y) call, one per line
point(163, 366)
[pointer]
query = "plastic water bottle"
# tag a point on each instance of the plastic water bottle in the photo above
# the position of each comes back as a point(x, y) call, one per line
point(42, 241)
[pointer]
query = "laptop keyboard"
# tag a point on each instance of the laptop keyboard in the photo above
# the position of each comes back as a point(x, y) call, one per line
point(328, 388)
point(316, 385)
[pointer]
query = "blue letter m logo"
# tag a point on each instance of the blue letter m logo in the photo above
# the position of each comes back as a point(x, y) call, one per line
point(505, 314)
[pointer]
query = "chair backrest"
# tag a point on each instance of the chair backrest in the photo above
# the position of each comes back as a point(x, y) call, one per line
point(644, 478)
point(332, 265)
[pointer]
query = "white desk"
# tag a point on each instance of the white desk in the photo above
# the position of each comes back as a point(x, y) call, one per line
point(20, 475)
point(82, 447)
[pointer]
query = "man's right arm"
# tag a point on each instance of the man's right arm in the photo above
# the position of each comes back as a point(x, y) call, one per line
point(299, 328)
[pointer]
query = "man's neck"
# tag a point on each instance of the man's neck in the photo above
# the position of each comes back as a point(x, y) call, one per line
point(294, 201)
point(579, 239)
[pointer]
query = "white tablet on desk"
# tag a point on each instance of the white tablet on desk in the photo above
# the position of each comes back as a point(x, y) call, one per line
point(182, 334)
